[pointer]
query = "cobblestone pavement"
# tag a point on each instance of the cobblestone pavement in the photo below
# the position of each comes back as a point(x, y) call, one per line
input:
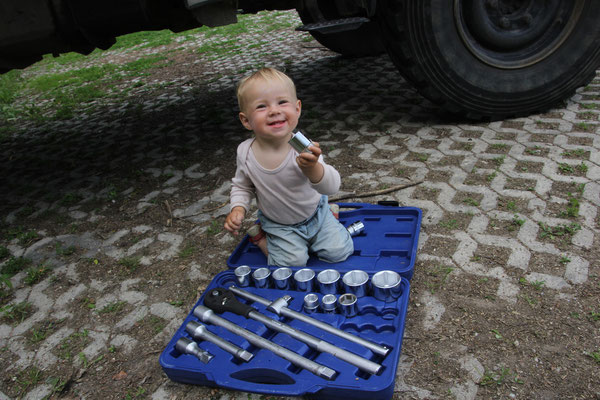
point(507, 205)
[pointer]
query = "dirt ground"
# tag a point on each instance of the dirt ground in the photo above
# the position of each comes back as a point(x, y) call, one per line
point(118, 213)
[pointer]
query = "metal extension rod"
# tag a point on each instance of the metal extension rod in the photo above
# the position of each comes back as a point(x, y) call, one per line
point(205, 314)
point(287, 312)
point(201, 332)
point(221, 300)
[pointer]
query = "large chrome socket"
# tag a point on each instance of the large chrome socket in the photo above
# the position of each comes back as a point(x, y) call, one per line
point(242, 275)
point(328, 281)
point(356, 282)
point(304, 279)
point(261, 277)
point(386, 285)
point(282, 278)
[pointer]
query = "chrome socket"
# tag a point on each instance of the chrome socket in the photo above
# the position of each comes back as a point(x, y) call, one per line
point(356, 282)
point(327, 280)
point(329, 303)
point(347, 303)
point(242, 275)
point(300, 142)
point(282, 278)
point(356, 228)
point(386, 285)
point(311, 303)
point(303, 279)
point(261, 277)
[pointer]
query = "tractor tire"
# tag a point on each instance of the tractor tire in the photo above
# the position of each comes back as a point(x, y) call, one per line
point(493, 59)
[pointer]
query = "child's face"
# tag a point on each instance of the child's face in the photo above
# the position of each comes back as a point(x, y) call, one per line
point(271, 110)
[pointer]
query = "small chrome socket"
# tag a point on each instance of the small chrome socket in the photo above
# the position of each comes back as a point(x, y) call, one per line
point(311, 303)
point(356, 228)
point(348, 305)
point(300, 142)
point(329, 303)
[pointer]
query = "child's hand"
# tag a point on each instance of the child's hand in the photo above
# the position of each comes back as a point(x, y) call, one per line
point(234, 220)
point(308, 160)
point(309, 163)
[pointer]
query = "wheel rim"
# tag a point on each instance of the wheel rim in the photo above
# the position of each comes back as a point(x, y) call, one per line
point(512, 34)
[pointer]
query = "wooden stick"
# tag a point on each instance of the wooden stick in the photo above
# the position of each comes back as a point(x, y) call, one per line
point(372, 193)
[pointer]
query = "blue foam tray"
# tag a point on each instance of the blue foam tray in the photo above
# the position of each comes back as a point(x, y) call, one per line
point(389, 242)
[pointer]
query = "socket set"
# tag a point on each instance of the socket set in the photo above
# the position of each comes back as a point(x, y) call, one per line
point(326, 331)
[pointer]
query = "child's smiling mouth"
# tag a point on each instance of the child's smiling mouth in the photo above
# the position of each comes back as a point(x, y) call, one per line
point(276, 124)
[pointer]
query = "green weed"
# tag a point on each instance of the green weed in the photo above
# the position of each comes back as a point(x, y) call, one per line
point(114, 307)
point(131, 263)
point(14, 265)
point(35, 275)
point(560, 230)
point(449, 224)
point(499, 378)
point(16, 313)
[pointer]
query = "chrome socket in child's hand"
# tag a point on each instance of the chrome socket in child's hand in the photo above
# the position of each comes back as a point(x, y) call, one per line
point(282, 278)
point(328, 281)
point(261, 277)
point(348, 305)
point(300, 142)
point(304, 279)
point(356, 282)
point(386, 285)
point(242, 275)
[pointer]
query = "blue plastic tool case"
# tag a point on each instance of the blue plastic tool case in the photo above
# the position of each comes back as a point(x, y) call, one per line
point(389, 242)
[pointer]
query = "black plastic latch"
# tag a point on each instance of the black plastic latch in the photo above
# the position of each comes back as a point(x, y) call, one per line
point(389, 203)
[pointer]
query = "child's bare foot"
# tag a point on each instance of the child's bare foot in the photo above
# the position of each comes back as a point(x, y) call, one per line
point(258, 237)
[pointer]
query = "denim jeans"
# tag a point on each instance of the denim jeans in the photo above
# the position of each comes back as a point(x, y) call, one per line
point(321, 234)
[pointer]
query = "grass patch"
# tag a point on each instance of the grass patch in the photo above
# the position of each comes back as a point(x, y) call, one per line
point(558, 231)
point(114, 307)
point(73, 344)
point(131, 263)
point(14, 265)
point(35, 275)
point(16, 313)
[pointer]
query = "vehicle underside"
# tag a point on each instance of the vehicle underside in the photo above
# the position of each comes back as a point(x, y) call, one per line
point(478, 58)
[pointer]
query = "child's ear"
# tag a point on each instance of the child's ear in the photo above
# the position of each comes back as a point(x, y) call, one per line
point(298, 107)
point(244, 121)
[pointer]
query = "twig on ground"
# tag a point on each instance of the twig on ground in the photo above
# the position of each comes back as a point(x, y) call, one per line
point(373, 193)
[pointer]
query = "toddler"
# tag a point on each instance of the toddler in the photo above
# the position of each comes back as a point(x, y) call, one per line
point(291, 189)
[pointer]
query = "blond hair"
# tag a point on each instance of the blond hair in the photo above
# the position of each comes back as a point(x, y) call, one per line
point(266, 75)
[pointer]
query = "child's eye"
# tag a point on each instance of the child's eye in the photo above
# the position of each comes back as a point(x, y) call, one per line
point(283, 101)
point(260, 106)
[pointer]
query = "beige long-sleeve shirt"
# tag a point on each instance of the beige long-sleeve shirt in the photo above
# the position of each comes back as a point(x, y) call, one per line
point(284, 194)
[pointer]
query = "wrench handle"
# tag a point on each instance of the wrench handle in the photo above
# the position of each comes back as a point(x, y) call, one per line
point(221, 300)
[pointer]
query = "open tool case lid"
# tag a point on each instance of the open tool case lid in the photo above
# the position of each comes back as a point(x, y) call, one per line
point(389, 241)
